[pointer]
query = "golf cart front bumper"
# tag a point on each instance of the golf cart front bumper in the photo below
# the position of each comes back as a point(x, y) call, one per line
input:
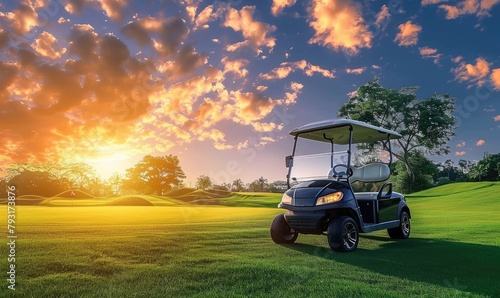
point(306, 222)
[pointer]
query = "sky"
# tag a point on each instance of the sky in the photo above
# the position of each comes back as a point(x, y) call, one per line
point(221, 83)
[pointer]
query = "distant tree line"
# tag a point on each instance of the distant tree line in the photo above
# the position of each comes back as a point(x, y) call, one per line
point(155, 175)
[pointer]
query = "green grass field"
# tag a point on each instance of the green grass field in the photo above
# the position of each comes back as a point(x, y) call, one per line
point(177, 248)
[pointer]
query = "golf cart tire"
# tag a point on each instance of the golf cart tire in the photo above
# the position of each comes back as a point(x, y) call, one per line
point(403, 231)
point(281, 233)
point(343, 234)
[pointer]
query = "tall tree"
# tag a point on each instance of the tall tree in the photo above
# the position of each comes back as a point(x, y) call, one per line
point(238, 185)
point(154, 174)
point(115, 181)
point(425, 173)
point(203, 182)
point(425, 124)
point(487, 169)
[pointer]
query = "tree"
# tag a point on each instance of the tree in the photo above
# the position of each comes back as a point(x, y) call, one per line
point(278, 186)
point(425, 173)
point(262, 183)
point(115, 181)
point(36, 183)
point(425, 125)
point(203, 182)
point(154, 174)
point(487, 169)
point(238, 185)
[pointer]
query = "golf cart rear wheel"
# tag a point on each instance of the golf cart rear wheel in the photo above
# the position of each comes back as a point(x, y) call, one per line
point(343, 234)
point(281, 232)
point(403, 231)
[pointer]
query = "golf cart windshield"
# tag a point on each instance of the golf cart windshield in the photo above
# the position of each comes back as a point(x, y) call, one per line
point(323, 150)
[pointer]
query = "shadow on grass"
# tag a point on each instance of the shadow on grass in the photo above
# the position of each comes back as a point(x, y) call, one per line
point(466, 267)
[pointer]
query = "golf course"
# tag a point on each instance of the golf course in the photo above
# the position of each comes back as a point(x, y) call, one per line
point(196, 243)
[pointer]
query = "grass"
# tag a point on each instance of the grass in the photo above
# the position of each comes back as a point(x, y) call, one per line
point(217, 251)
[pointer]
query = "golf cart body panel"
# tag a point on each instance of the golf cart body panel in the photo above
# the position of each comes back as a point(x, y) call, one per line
point(326, 203)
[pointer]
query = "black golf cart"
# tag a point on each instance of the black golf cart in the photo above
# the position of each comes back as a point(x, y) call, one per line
point(321, 199)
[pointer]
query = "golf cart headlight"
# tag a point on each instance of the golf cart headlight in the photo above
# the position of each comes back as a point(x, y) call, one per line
point(331, 198)
point(286, 199)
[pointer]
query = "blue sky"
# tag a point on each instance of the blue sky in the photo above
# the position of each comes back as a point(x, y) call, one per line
point(221, 83)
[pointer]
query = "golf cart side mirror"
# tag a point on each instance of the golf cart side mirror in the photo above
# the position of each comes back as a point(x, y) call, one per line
point(288, 161)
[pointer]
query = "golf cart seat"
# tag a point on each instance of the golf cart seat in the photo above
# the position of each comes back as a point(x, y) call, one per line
point(374, 172)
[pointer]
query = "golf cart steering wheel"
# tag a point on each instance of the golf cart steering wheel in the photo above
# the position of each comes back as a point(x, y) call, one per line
point(338, 173)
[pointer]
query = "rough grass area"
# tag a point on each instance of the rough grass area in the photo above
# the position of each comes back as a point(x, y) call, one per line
point(216, 251)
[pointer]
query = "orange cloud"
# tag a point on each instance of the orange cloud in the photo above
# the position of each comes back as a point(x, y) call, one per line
point(495, 78)
point(286, 68)
point(430, 53)
point(461, 144)
point(279, 5)
point(205, 16)
point(408, 34)
point(255, 33)
point(429, 2)
point(23, 18)
point(480, 143)
point(339, 24)
point(496, 118)
point(355, 70)
point(479, 8)
point(460, 153)
point(237, 67)
point(113, 8)
point(46, 45)
point(473, 73)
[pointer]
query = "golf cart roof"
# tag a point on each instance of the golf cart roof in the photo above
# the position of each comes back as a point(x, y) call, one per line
point(338, 129)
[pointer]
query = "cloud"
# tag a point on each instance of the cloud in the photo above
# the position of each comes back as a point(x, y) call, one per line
point(166, 35)
point(480, 143)
point(461, 144)
point(495, 78)
point(408, 34)
point(46, 45)
point(75, 6)
point(460, 153)
point(237, 67)
point(496, 118)
point(429, 2)
point(286, 68)
point(23, 18)
point(279, 5)
point(355, 70)
point(430, 53)
point(480, 8)
point(206, 16)
point(339, 24)
point(113, 8)
point(475, 74)
point(383, 17)
point(256, 33)
point(186, 61)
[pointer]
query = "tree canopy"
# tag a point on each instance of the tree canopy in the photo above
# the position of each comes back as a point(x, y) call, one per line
point(154, 174)
point(487, 169)
point(426, 125)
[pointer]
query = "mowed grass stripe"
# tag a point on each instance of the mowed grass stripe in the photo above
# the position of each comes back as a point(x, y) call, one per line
point(215, 251)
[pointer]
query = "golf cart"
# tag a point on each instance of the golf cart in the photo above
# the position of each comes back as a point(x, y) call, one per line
point(321, 199)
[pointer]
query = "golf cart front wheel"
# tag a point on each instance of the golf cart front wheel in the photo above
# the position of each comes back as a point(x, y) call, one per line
point(281, 233)
point(343, 234)
point(403, 231)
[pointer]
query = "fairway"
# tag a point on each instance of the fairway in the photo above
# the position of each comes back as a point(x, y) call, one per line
point(219, 251)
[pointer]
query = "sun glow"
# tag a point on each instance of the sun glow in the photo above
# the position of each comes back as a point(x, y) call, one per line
point(111, 159)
